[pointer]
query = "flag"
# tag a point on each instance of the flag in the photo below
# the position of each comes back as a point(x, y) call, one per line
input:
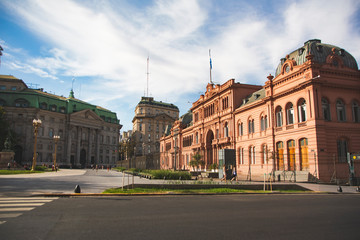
point(210, 59)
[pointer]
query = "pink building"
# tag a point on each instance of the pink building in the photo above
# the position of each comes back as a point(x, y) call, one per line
point(300, 125)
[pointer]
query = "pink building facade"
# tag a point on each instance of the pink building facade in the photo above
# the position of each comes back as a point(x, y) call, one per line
point(299, 126)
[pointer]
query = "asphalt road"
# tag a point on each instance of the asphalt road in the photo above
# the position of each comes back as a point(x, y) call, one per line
point(326, 216)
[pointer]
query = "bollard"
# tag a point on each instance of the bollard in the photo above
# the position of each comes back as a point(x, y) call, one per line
point(339, 189)
point(358, 189)
point(77, 189)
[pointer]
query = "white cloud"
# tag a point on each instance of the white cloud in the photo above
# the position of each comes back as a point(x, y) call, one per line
point(106, 44)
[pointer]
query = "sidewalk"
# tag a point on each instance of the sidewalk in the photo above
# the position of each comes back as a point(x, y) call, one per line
point(60, 173)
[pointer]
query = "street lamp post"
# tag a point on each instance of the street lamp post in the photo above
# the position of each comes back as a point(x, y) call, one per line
point(56, 140)
point(36, 124)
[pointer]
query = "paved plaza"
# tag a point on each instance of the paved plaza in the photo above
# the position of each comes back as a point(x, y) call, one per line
point(92, 181)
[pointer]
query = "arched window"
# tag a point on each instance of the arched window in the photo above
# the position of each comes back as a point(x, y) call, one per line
point(291, 155)
point(241, 155)
point(263, 123)
point(340, 110)
point(280, 155)
point(356, 111)
point(226, 130)
point(62, 109)
point(21, 103)
point(53, 108)
point(325, 109)
point(252, 159)
point(264, 159)
point(289, 114)
point(302, 110)
point(278, 114)
point(342, 146)
point(197, 138)
point(240, 129)
point(43, 106)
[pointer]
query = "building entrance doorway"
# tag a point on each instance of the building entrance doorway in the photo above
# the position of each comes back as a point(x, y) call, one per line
point(83, 158)
point(209, 149)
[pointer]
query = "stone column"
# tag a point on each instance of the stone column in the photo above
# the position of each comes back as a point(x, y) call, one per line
point(68, 156)
point(78, 145)
point(90, 146)
point(97, 138)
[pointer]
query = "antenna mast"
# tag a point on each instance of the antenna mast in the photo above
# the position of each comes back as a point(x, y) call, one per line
point(147, 78)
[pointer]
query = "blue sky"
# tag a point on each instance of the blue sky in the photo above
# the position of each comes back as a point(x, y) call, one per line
point(104, 45)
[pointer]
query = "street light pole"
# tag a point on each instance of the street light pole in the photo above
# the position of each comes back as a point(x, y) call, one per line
point(56, 139)
point(36, 125)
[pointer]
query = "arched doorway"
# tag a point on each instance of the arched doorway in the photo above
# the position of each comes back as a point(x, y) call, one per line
point(209, 149)
point(304, 157)
point(18, 154)
point(291, 155)
point(83, 158)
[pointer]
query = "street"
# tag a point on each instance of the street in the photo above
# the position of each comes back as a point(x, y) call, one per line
point(330, 216)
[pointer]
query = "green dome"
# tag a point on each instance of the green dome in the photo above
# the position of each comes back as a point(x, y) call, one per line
point(320, 51)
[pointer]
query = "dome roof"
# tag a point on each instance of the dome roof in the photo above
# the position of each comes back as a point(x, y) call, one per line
point(320, 51)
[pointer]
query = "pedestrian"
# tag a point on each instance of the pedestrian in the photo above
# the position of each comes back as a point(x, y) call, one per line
point(233, 176)
point(8, 166)
point(224, 174)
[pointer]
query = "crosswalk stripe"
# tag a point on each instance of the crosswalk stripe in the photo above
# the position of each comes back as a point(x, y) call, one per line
point(28, 199)
point(25, 201)
point(15, 209)
point(21, 204)
point(10, 215)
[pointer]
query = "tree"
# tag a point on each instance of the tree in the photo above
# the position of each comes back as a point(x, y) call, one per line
point(6, 134)
point(196, 162)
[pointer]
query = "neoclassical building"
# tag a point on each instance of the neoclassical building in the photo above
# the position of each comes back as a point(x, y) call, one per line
point(150, 121)
point(302, 122)
point(89, 134)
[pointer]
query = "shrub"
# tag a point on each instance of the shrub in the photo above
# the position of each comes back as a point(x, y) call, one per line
point(170, 175)
point(40, 168)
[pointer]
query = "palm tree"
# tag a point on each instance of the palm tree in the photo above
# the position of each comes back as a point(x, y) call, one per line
point(196, 161)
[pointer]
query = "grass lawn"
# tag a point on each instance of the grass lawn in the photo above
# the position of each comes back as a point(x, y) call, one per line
point(191, 191)
point(9, 172)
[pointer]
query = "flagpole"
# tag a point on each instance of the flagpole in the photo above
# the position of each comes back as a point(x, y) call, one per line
point(210, 66)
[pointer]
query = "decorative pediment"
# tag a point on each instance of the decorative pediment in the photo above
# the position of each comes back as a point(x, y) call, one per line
point(86, 115)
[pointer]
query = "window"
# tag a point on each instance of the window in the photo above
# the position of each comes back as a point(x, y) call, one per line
point(149, 138)
point(278, 113)
point(264, 154)
point(356, 111)
point(325, 109)
point(251, 126)
point(51, 132)
point(149, 126)
point(43, 106)
point(197, 138)
point(289, 114)
point(226, 130)
point(2, 87)
point(21, 103)
point(241, 155)
point(252, 155)
point(240, 129)
point(13, 88)
point(302, 110)
point(340, 109)
point(62, 109)
point(342, 146)
point(53, 108)
point(140, 127)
